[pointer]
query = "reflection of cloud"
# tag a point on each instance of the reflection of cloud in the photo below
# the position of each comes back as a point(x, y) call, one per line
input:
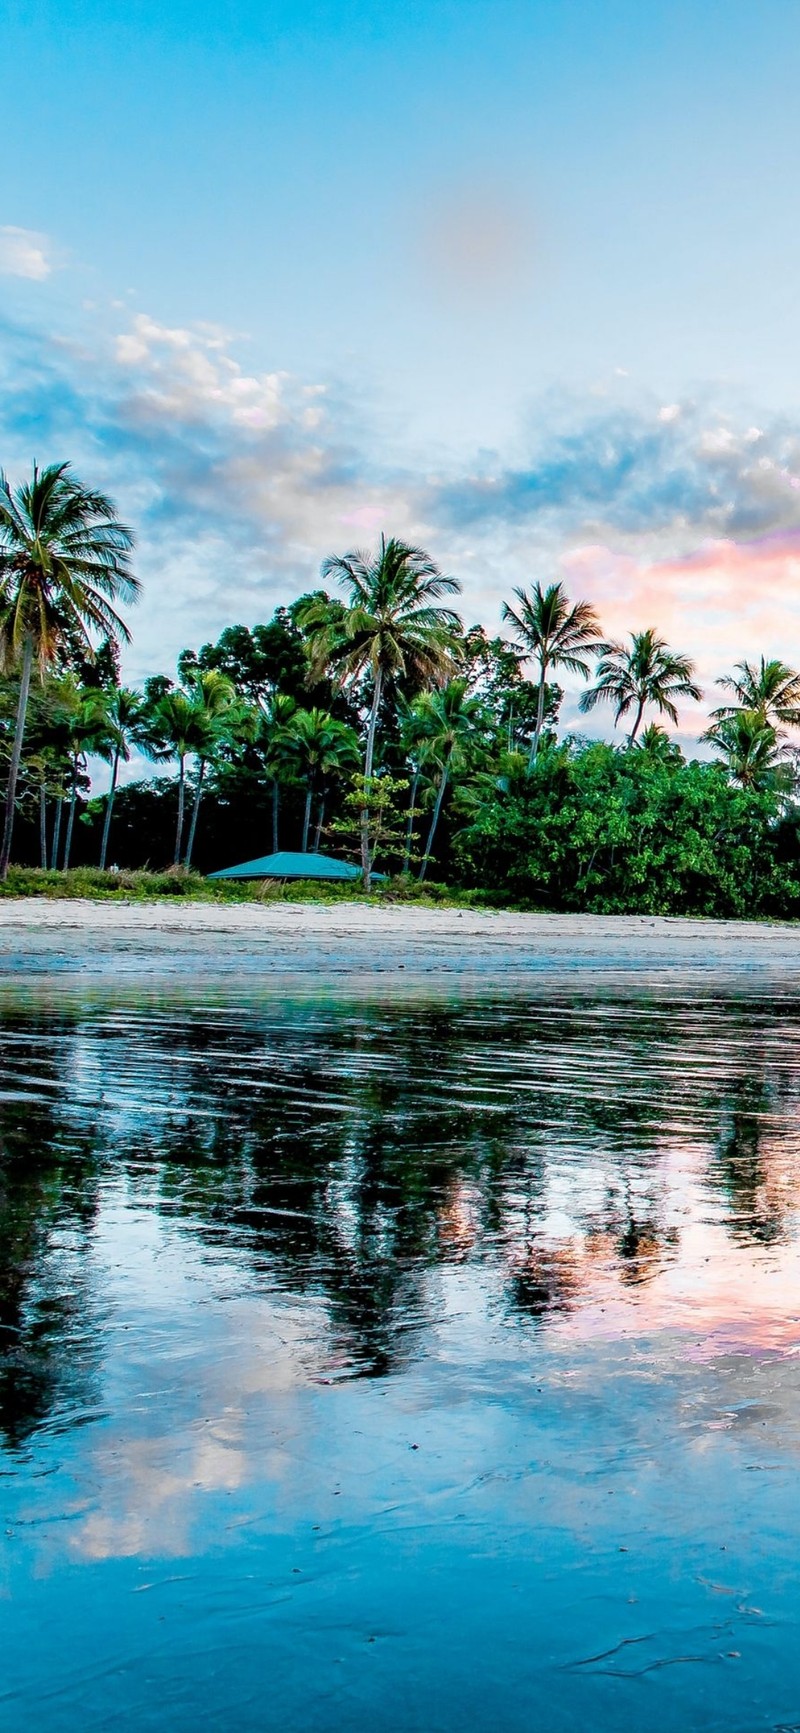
point(24, 253)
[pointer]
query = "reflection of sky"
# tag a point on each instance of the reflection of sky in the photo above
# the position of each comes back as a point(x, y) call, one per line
point(585, 1437)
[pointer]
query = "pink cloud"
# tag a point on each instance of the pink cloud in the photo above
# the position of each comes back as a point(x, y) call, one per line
point(721, 602)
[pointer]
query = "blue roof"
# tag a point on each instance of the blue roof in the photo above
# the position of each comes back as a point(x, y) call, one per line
point(293, 866)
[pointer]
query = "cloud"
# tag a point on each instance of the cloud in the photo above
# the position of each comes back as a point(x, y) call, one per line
point(638, 471)
point(24, 253)
point(238, 481)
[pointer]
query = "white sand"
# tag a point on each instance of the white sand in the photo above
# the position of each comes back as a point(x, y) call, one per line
point(307, 942)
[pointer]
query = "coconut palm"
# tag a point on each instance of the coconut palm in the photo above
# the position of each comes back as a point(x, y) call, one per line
point(321, 746)
point(455, 729)
point(553, 634)
point(753, 750)
point(646, 673)
point(125, 714)
point(770, 687)
point(392, 629)
point(229, 719)
point(64, 562)
point(274, 742)
point(415, 746)
point(86, 731)
point(177, 728)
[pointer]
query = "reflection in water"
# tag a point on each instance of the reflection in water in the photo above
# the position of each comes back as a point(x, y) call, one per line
point(250, 1251)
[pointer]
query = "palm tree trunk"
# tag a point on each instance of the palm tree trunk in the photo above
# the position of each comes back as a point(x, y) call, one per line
point(320, 821)
point(276, 797)
point(201, 770)
point(109, 804)
point(412, 812)
point(306, 821)
point(434, 821)
point(534, 753)
point(43, 822)
point(366, 863)
point(181, 799)
point(57, 832)
point(637, 724)
point(16, 755)
point(71, 820)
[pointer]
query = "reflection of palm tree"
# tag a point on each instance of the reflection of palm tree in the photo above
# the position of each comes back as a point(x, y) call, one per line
point(647, 672)
point(362, 1167)
point(49, 1347)
point(739, 1169)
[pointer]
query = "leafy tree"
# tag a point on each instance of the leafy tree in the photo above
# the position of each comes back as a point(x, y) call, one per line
point(614, 831)
point(392, 628)
point(64, 562)
point(379, 797)
point(646, 673)
point(553, 634)
point(259, 661)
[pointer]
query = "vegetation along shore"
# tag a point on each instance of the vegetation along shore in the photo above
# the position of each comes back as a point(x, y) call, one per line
point(367, 719)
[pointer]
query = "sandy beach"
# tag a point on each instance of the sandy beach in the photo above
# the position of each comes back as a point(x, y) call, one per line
point(308, 943)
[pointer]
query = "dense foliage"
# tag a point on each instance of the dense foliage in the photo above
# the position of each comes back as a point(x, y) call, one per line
point(371, 723)
point(636, 831)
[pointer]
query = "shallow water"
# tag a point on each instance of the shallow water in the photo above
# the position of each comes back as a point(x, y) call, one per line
point(419, 1364)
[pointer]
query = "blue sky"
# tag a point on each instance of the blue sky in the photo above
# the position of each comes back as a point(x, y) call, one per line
point(523, 278)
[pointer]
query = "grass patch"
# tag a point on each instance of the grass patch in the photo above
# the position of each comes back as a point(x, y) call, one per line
point(149, 887)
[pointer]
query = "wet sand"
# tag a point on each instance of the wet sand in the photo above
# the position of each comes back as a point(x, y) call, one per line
point(306, 943)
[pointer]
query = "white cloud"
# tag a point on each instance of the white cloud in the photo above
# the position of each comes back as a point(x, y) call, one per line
point(188, 373)
point(24, 253)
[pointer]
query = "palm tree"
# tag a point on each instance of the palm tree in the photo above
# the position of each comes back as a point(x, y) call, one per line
point(416, 749)
point(322, 745)
point(646, 673)
point(228, 718)
point(455, 728)
point(753, 751)
point(178, 727)
point(86, 731)
point(125, 717)
point(772, 688)
point(274, 741)
point(391, 629)
point(553, 635)
point(64, 561)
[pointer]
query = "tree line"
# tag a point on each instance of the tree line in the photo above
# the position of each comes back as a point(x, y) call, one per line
point(366, 719)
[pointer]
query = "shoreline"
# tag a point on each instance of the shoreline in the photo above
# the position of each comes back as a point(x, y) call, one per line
point(285, 944)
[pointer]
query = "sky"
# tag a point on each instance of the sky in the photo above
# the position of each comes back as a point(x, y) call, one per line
point(516, 279)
